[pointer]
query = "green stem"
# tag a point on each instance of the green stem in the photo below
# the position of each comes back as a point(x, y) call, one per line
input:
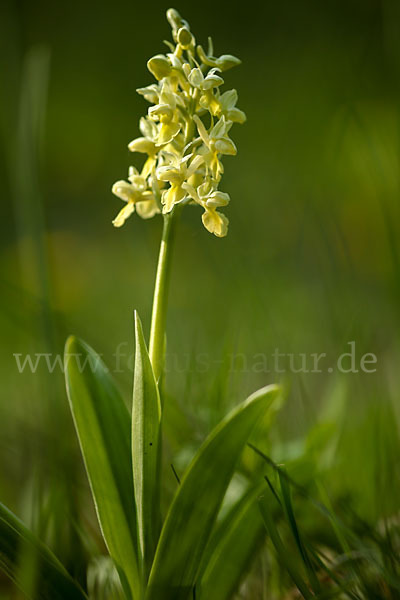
point(160, 299)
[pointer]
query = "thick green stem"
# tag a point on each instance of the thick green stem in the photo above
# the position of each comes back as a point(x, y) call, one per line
point(160, 300)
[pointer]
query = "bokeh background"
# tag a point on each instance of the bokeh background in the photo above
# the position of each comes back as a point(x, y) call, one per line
point(311, 262)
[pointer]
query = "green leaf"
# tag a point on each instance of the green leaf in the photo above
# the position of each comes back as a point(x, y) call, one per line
point(103, 426)
point(289, 512)
point(232, 548)
point(193, 512)
point(51, 580)
point(146, 448)
point(267, 503)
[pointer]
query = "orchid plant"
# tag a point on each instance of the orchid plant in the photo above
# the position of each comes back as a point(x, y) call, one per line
point(192, 551)
point(228, 524)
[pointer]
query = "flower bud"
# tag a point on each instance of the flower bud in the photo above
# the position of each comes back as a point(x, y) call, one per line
point(227, 61)
point(185, 38)
point(174, 18)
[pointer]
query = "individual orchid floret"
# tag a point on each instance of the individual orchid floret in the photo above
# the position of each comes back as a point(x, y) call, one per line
point(183, 164)
point(150, 93)
point(206, 86)
point(176, 173)
point(217, 142)
point(227, 107)
point(134, 193)
point(197, 79)
point(224, 62)
point(167, 114)
point(207, 196)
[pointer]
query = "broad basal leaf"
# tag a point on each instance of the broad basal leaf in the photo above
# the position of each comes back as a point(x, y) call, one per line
point(103, 425)
point(192, 515)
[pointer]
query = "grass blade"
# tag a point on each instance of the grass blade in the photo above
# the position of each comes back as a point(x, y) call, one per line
point(288, 507)
point(266, 504)
point(146, 447)
point(193, 512)
point(102, 423)
point(51, 580)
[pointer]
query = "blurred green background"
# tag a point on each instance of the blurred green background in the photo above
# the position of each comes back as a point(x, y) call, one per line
point(311, 262)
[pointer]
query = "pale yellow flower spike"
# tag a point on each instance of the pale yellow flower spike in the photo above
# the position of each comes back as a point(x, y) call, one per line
point(183, 162)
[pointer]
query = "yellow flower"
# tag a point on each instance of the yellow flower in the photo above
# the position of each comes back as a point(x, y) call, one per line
point(210, 199)
point(227, 107)
point(206, 85)
point(176, 172)
point(167, 114)
point(196, 78)
point(134, 193)
point(217, 141)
